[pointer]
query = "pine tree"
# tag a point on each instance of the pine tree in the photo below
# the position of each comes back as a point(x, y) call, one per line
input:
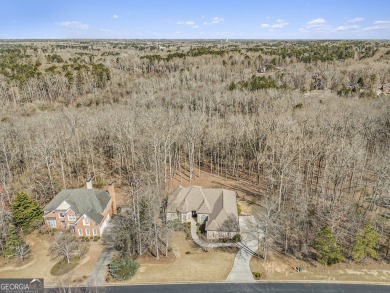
point(13, 240)
point(24, 210)
point(366, 244)
point(328, 252)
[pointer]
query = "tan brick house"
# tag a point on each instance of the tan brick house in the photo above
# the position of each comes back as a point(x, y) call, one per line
point(83, 211)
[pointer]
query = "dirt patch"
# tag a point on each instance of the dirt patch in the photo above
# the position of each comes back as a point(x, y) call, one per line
point(246, 190)
point(281, 267)
point(40, 263)
point(197, 265)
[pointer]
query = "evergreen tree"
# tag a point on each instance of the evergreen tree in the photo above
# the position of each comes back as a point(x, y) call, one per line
point(13, 241)
point(366, 244)
point(328, 252)
point(24, 210)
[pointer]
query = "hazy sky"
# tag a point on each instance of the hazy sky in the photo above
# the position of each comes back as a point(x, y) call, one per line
point(172, 19)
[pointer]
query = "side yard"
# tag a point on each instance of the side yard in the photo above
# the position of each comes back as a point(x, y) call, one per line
point(189, 263)
point(280, 267)
point(39, 264)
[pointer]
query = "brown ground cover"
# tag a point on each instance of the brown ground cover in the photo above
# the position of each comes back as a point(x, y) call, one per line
point(39, 264)
point(280, 267)
point(197, 265)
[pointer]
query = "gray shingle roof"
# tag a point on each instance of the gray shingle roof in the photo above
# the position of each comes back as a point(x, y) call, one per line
point(91, 202)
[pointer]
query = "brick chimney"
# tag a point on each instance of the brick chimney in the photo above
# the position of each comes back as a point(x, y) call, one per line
point(89, 183)
point(111, 191)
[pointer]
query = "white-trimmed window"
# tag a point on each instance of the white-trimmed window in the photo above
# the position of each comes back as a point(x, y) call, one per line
point(87, 232)
point(62, 214)
point(51, 223)
point(86, 221)
point(71, 218)
point(94, 232)
point(80, 232)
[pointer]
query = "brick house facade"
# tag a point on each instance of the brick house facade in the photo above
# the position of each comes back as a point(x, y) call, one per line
point(85, 212)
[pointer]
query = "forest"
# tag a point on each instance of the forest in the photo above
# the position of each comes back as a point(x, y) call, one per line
point(310, 131)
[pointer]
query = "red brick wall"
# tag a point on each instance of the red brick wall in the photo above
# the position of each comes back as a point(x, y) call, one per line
point(92, 225)
point(56, 215)
point(79, 225)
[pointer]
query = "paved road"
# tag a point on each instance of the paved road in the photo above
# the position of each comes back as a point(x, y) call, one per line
point(241, 271)
point(232, 287)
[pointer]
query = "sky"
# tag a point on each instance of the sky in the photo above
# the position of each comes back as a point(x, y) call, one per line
point(194, 19)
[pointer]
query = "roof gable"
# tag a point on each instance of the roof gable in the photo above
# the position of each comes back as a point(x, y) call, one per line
point(91, 202)
point(220, 204)
point(63, 206)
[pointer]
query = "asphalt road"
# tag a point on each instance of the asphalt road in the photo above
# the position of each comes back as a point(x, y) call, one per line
point(235, 287)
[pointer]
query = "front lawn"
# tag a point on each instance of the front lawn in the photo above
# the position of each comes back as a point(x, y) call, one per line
point(62, 267)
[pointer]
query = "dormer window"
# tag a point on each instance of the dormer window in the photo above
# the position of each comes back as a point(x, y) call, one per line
point(86, 221)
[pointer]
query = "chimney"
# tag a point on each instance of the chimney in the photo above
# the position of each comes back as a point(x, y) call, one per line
point(111, 191)
point(89, 183)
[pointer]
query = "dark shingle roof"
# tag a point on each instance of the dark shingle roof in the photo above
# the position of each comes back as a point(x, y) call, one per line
point(91, 202)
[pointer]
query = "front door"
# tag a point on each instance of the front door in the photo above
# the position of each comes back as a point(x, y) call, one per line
point(63, 225)
point(194, 214)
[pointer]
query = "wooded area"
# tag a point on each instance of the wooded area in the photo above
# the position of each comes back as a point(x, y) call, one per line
point(143, 112)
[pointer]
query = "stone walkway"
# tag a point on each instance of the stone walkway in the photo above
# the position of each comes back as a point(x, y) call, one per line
point(241, 271)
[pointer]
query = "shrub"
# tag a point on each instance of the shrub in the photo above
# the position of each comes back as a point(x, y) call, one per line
point(298, 106)
point(123, 268)
point(44, 230)
point(237, 238)
point(239, 209)
point(257, 274)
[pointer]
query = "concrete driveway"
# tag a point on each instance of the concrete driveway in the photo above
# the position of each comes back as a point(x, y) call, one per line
point(241, 271)
point(98, 274)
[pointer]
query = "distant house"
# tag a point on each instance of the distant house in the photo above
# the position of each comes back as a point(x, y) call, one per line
point(216, 208)
point(83, 211)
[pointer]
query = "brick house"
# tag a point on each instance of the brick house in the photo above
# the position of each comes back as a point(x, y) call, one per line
point(84, 212)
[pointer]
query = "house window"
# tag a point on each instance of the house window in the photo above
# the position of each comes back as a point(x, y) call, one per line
point(80, 232)
point(87, 232)
point(51, 223)
point(71, 218)
point(61, 215)
point(86, 221)
point(94, 231)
